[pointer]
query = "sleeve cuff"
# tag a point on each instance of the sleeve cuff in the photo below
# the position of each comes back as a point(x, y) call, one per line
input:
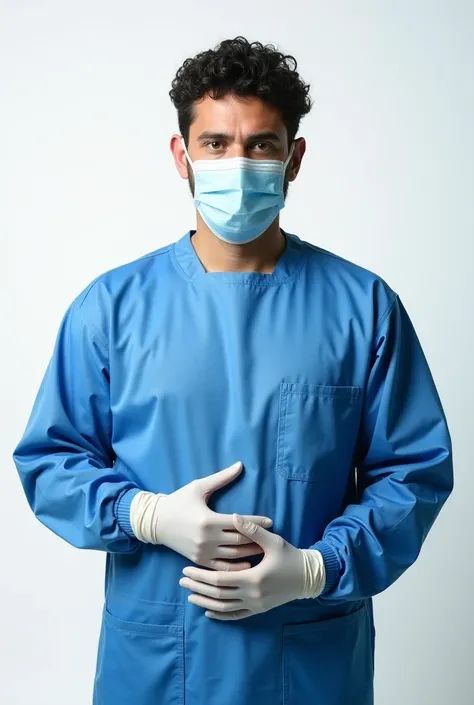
point(122, 510)
point(331, 564)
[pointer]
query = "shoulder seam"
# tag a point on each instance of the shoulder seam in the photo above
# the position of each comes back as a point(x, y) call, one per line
point(95, 331)
point(344, 260)
point(394, 296)
point(327, 253)
point(154, 254)
point(386, 313)
point(147, 255)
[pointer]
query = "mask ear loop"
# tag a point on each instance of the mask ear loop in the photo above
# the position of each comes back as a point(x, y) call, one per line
point(287, 160)
point(187, 155)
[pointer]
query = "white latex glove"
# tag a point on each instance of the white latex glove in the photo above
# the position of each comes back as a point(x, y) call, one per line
point(183, 522)
point(285, 573)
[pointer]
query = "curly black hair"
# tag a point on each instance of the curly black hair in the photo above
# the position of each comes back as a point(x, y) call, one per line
point(244, 69)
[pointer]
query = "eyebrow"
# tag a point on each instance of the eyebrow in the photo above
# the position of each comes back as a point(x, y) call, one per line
point(208, 134)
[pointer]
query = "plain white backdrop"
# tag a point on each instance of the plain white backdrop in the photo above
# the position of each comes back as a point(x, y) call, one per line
point(87, 182)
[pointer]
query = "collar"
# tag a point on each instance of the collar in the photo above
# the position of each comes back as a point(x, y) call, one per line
point(288, 264)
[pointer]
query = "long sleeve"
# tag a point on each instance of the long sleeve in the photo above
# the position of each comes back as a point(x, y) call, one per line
point(65, 457)
point(404, 469)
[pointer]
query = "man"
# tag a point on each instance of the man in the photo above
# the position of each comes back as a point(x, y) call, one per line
point(239, 370)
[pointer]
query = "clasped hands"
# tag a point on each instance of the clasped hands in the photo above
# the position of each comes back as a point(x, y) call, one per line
point(227, 590)
point(238, 590)
point(235, 594)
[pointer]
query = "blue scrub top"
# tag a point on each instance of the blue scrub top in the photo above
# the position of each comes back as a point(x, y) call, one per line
point(312, 376)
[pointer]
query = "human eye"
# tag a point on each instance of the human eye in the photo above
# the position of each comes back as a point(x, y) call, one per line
point(208, 144)
point(267, 146)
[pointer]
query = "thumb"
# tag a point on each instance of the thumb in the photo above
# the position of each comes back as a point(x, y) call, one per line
point(253, 531)
point(219, 479)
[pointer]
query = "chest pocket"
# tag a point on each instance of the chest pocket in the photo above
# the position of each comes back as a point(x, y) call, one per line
point(317, 430)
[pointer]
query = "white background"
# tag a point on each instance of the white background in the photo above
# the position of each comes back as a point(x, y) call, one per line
point(87, 182)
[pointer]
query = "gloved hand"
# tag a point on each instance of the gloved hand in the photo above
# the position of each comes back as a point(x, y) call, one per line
point(285, 573)
point(183, 522)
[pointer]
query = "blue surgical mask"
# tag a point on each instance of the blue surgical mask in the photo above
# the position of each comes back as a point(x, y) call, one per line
point(237, 197)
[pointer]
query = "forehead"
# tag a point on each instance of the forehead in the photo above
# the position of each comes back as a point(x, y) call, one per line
point(236, 116)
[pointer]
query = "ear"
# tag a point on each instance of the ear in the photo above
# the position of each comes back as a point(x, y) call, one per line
point(179, 156)
point(296, 159)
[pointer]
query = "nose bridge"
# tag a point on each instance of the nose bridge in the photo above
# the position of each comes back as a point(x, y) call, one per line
point(237, 149)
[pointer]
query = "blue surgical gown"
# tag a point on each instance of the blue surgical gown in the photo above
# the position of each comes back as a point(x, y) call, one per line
point(312, 376)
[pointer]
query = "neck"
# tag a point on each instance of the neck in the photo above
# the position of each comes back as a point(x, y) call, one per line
point(259, 255)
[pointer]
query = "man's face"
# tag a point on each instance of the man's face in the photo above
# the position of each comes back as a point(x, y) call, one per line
point(237, 127)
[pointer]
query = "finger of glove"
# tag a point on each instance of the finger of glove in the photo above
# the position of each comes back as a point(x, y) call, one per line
point(216, 605)
point(219, 479)
point(225, 521)
point(228, 616)
point(238, 551)
point(234, 538)
point(218, 564)
point(219, 593)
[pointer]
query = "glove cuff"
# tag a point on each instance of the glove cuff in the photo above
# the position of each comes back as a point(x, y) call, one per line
point(314, 573)
point(144, 516)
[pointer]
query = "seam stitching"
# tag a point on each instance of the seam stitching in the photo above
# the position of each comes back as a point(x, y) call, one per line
point(96, 332)
point(385, 314)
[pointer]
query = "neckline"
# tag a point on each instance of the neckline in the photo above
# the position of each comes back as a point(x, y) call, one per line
point(287, 265)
